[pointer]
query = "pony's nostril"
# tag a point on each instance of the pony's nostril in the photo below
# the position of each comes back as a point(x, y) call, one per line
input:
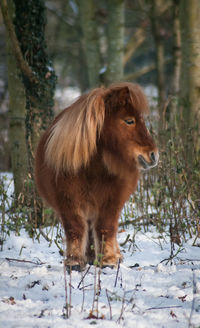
point(153, 157)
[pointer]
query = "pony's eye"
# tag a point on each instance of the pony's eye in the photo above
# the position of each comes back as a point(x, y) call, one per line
point(130, 121)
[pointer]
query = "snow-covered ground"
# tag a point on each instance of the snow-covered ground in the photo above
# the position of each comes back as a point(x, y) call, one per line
point(145, 291)
point(148, 294)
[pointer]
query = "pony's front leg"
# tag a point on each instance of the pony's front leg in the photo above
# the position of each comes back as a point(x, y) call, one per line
point(76, 232)
point(105, 239)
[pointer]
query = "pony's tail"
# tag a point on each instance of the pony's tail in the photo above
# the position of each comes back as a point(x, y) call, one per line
point(73, 137)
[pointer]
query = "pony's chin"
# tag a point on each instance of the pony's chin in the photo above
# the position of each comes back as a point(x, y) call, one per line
point(144, 165)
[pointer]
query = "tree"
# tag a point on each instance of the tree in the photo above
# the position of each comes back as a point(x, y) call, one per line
point(17, 132)
point(90, 40)
point(190, 70)
point(176, 59)
point(115, 43)
point(27, 39)
point(30, 30)
point(159, 47)
point(17, 112)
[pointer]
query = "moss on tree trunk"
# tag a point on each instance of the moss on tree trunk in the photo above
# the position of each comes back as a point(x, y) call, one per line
point(30, 24)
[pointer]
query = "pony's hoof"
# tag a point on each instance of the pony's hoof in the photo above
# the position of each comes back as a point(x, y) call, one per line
point(72, 265)
point(111, 266)
point(75, 267)
point(91, 262)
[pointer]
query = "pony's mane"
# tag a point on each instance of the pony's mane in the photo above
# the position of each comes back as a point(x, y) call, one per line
point(73, 136)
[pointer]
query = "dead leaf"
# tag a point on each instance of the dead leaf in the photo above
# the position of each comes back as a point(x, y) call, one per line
point(9, 300)
point(182, 298)
point(173, 314)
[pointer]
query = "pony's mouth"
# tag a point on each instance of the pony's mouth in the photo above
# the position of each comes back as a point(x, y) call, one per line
point(148, 165)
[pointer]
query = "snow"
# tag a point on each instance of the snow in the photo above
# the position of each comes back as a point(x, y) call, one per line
point(32, 290)
point(147, 290)
point(65, 97)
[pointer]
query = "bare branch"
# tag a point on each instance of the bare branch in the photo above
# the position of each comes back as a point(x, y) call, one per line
point(139, 36)
point(24, 261)
point(142, 71)
point(135, 41)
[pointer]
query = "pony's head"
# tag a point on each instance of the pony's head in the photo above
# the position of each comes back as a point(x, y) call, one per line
point(111, 117)
point(127, 141)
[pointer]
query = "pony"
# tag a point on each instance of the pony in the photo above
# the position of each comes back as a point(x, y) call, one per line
point(88, 163)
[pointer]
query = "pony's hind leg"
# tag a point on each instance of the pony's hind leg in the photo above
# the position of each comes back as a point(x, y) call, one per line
point(76, 232)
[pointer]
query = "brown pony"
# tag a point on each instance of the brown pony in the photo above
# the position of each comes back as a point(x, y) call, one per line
point(88, 163)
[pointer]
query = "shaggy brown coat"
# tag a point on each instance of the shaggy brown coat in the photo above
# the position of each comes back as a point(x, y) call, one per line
point(88, 163)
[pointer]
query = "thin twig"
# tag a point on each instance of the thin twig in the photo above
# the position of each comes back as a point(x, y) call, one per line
point(24, 261)
point(44, 235)
point(117, 273)
point(66, 293)
point(126, 240)
point(70, 291)
point(83, 277)
point(193, 300)
point(166, 104)
point(110, 309)
point(163, 307)
point(122, 308)
point(60, 249)
point(83, 298)
point(171, 257)
point(94, 296)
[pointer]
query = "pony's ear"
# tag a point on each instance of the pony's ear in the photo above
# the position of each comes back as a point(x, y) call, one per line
point(123, 96)
point(117, 97)
point(120, 94)
point(73, 138)
point(123, 92)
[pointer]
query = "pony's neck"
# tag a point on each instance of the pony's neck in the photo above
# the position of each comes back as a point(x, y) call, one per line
point(117, 167)
point(104, 163)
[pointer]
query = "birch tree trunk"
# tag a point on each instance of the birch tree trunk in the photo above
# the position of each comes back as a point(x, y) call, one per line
point(90, 41)
point(190, 71)
point(17, 113)
point(115, 33)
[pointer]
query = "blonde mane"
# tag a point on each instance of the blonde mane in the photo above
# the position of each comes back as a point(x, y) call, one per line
point(73, 136)
point(72, 139)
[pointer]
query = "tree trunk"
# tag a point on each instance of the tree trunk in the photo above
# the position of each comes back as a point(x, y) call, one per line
point(176, 59)
point(190, 71)
point(27, 38)
point(30, 29)
point(90, 40)
point(159, 47)
point(17, 112)
point(115, 34)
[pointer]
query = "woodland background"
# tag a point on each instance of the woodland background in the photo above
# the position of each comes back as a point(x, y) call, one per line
point(70, 46)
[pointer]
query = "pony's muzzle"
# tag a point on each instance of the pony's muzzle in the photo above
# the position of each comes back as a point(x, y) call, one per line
point(153, 160)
